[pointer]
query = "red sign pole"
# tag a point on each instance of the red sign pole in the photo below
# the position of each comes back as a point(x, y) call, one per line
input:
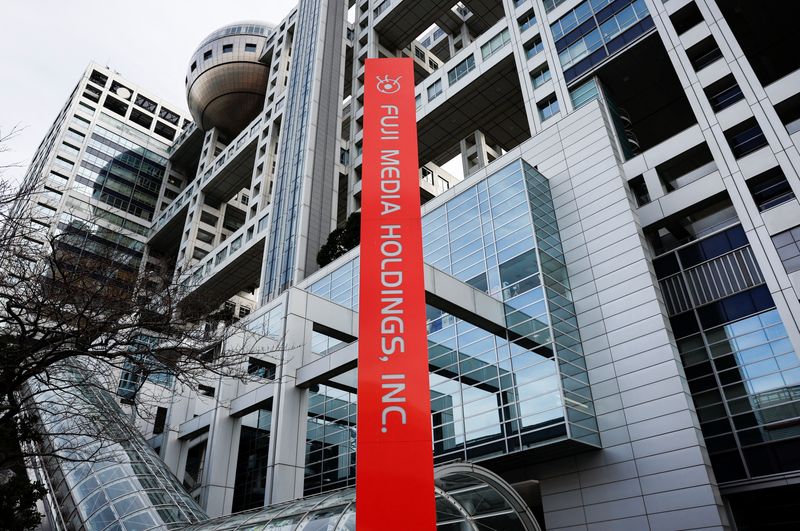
point(394, 464)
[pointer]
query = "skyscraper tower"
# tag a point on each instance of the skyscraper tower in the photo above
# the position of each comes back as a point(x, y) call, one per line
point(611, 270)
point(99, 173)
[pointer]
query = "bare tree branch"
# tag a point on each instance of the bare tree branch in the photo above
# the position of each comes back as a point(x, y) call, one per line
point(72, 304)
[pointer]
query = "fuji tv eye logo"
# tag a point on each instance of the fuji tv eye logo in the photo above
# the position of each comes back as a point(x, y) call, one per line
point(387, 85)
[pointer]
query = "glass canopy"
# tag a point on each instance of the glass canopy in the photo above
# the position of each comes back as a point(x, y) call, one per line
point(468, 498)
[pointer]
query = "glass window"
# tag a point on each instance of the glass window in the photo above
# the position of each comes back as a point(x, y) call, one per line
point(516, 270)
point(221, 256)
point(94, 502)
point(207, 55)
point(98, 78)
point(548, 107)
point(330, 440)
point(745, 138)
point(750, 362)
point(148, 104)
point(128, 505)
point(102, 519)
point(550, 5)
point(249, 47)
point(624, 19)
point(64, 164)
point(435, 90)
point(534, 47)
point(70, 150)
point(164, 130)
point(261, 369)
point(137, 522)
point(227, 48)
point(770, 189)
point(168, 115)
point(584, 93)
point(75, 136)
point(496, 43)
point(571, 20)
point(788, 246)
point(723, 93)
point(121, 488)
point(540, 76)
point(460, 70)
point(115, 105)
point(527, 21)
point(581, 48)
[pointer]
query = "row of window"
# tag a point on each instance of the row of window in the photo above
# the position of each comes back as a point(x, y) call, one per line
point(76, 205)
point(460, 70)
point(744, 378)
point(576, 17)
point(602, 34)
point(120, 107)
point(550, 105)
point(249, 47)
point(466, 66)
point(495, 44)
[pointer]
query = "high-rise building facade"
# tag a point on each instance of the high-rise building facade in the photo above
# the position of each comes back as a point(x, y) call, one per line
point(97, 177)
point(611, 277)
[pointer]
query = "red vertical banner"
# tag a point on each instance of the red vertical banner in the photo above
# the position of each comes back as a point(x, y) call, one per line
point(394, 463)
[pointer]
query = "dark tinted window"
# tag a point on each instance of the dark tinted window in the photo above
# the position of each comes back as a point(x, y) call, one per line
point(770, 188)
point(160, 420)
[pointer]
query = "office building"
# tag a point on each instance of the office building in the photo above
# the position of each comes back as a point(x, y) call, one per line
point(611, 276)
point(97, 177)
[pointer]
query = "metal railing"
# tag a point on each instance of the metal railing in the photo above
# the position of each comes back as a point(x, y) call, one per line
point(715, 279)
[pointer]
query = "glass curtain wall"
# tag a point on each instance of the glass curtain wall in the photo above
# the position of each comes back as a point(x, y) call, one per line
point(492, 395)
point(740, 365)
point(251, 462)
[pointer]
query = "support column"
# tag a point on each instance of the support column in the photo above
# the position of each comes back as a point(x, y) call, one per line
point(286, 468)
point(219, 468)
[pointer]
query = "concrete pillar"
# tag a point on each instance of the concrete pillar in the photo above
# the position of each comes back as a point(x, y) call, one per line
point(219, 468)
point(286, 468)
point(476, 152)
point(171, 446)
point(654, 187)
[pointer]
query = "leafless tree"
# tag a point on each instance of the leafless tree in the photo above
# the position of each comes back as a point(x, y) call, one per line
point(10, 193)
point(71, 304)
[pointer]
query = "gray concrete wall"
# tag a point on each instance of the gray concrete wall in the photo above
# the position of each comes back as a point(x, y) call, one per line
point(653, 471)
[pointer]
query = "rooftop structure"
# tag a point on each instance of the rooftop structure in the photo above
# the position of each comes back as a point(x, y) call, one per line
point(226, 83)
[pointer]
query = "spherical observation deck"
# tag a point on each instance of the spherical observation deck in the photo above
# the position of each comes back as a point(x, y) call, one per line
point(226, 84)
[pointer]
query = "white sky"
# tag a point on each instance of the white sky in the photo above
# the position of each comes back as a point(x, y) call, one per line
point(45, 45)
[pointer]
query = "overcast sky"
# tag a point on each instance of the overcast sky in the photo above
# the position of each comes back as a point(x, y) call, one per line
point(45, 45)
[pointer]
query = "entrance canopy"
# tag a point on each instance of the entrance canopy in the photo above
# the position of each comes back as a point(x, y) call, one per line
point(468, 498)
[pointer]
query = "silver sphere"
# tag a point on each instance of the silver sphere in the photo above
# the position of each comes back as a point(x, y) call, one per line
point(226, 84)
